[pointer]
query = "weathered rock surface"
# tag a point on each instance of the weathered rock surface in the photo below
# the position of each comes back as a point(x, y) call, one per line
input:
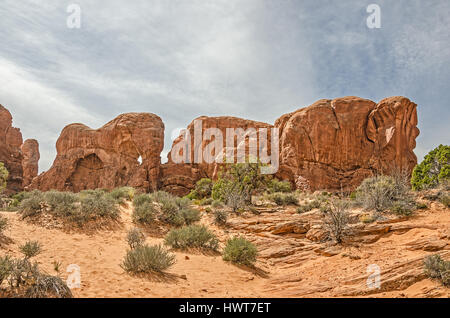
point(335, 144)
point(30, 160)
point(179, 180)
point(10, 154)
point(107, 157)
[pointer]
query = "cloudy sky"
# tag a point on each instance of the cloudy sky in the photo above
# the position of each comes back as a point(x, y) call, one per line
point(180, 59)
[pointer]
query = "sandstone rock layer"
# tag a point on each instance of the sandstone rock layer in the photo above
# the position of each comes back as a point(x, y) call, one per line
point(30, 160)
point(335, 144)
point(179, 178)
point(10, 154)
point(125, 151)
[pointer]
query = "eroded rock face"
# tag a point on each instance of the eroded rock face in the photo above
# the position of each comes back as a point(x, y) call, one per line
point(335, 144)
point(179, 178)
point(107, 157)
point(30, 160)
point(10, 154)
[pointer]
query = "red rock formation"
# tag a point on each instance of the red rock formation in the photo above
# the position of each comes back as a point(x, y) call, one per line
point(30, 159)
point(335, 144)
point(10, 155)
point(107, 157)
point(180, 178)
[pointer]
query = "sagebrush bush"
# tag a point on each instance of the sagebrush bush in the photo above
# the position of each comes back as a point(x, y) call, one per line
point(144, 213)
point(241, 251)
point(220, 217)
point(445, 200)
point(190, 215)
point(147, 259)
point(3, 224)
point(284, 198)
point(31, 249)
point(437, 268)
point(32, 204)
point(75, 208)
point(25, 280)
point(216, 204)
point(279, 186)
point(381, 193)
point(135, 238)
point(61, 203)
point(123, 193)
point(103, 206)
point(192, 236)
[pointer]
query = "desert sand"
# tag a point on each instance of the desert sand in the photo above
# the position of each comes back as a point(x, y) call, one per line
point(290, 263)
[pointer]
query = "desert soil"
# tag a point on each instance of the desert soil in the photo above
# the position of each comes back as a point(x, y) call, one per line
point(292, 262)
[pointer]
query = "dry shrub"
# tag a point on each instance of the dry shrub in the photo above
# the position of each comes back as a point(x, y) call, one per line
point(240, 251)
point(193, 236)
point(135, 238)
point(148, 259)
point(337, 219)
point(437, 268)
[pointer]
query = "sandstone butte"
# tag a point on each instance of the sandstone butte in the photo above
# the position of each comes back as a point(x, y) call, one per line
point(330, 145)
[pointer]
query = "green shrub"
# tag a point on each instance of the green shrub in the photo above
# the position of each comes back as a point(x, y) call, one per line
point(279, 186)
point(94, 207)
point(61, 203)
point(32, 204)
point(445, 200)
point(220, 189)
point(220, 217)
point(216, 204)
point(25, 280)
point(144, 213)
point(202, 189)
point(30, 249)
point(402, 208)
point(381, 192)
point(183, 203)
point(437, 268)
point(171, 212)
point(161, 196)
point(4, 174)
point(135, 238)
point(240, 178)
point(3, 224)
point(206, 201)
point(190, 215)
point(241, 251)
point(283, 198)
point(434, 169)
point(123, 193)
point(195, 236)
point(147, 259)
point(142, 199)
